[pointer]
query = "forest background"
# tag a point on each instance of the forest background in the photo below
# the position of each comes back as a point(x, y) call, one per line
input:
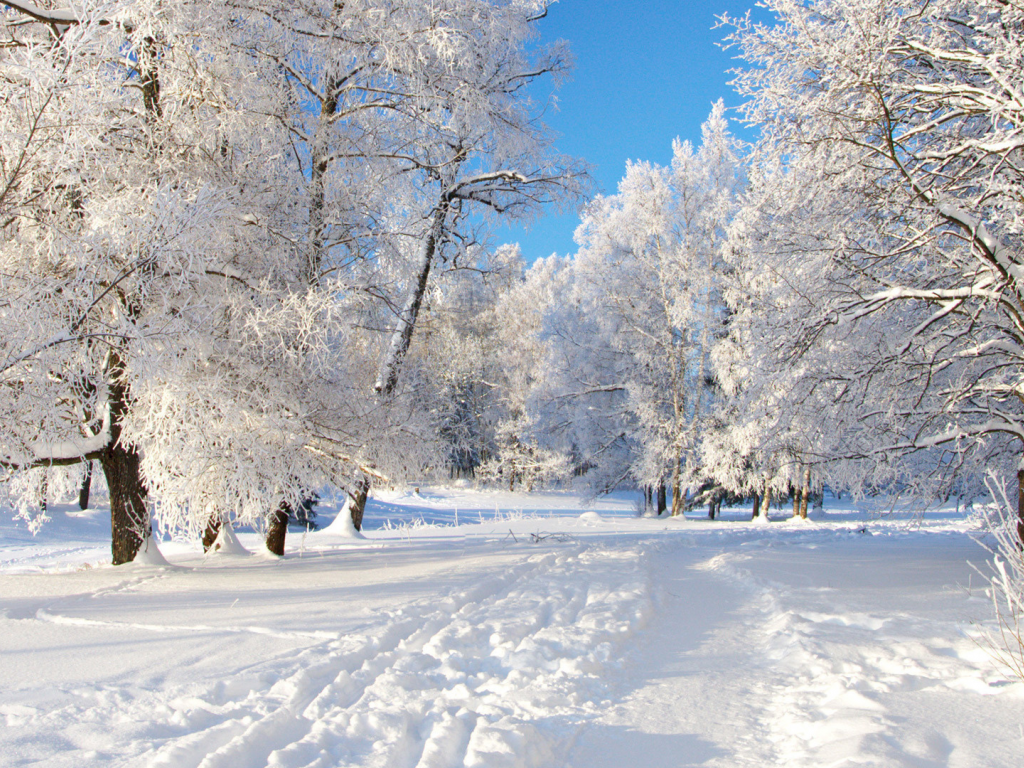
point(248, 253)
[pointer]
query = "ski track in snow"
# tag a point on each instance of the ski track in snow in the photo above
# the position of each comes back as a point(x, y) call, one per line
point(497, 674)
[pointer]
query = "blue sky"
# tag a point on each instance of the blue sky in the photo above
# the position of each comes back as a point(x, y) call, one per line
point(646, 72)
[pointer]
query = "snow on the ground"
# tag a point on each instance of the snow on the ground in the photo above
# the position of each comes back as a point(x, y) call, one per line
point(475, 628)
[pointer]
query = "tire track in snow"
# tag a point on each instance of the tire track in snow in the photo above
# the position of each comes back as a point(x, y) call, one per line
point(496, 674)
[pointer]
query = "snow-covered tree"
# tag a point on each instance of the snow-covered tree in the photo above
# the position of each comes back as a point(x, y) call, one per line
point(479, 147)
point(150, 314)
point(123, 232)
point(523, 454)
point(409, 120)
point(883, 239)
point(647, 307)
point(208, 208)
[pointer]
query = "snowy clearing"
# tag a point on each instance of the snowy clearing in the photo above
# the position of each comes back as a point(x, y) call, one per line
point(536, 632)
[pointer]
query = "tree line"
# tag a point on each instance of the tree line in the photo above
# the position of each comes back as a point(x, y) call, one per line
point(837, 302)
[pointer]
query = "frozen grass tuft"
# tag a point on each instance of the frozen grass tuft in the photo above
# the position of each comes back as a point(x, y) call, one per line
point(1005, 579)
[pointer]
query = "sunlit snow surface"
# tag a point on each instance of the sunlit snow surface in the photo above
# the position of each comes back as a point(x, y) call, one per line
point(539, 631)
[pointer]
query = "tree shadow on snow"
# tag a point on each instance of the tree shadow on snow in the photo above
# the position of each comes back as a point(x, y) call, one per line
point(608, 746)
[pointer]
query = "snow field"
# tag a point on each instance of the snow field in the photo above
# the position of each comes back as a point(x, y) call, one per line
point(538, 635)
point(832, 676)
point(498, 670)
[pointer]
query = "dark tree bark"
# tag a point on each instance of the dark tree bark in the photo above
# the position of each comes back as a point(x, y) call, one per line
point(129, 518)
point(402, 337)
point(277, 530)
point(320, 160)
point(358, 505)
point(662, 499)
point(818, 500)
point(678, 502)
point(806, 494)
point(757, 506)
point(1020, 506)
point(83, 492)
point(149, 80)
point(211, 532)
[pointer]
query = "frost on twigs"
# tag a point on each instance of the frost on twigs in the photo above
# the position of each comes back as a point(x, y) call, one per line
point(29, 493)
point(539, 537)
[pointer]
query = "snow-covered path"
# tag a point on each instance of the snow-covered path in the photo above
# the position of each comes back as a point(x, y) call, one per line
point(815, 650)
point(528, 640)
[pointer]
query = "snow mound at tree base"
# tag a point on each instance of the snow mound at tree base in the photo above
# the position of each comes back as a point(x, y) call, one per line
point(227, 543)
point(149, 554)
point(342, 526)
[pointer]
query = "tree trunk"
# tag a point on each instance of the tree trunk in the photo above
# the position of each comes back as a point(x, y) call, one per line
point(757, 507)
point(212, 531)
point(358, 505)
point(806, 493)
point(402, 337)
point(766, 499)
point(129, 518)
point(83, 492)
point(1020, 506)
point(277, 530)
point(794, 493)
point(662, 499)
point(677, 490)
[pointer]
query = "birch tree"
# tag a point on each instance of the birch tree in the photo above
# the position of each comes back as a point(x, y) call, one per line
point(480, 148)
